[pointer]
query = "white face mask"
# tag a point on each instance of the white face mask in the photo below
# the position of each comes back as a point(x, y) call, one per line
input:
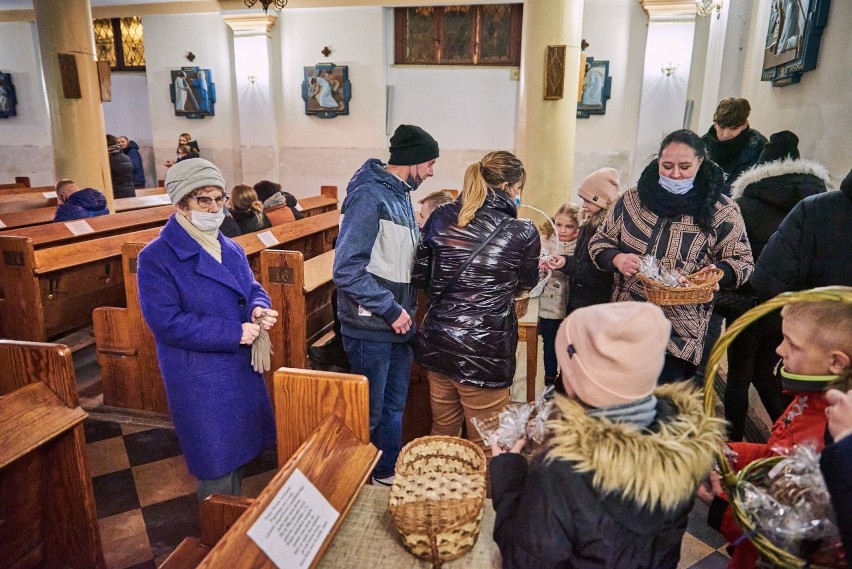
point(677, 187)
point(206, 221)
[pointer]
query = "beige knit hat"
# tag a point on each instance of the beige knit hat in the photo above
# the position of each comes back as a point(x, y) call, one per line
point(600, 187)
point(191, 174)
point(611, 354)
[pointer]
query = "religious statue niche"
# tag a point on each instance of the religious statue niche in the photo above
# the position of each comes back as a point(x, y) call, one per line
point(326, 90)
point(792, 39)
point(595, 87)
point(8, 99)
point(193, 92)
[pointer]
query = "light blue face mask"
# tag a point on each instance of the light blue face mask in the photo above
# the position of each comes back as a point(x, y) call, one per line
point(518, 200)
point(677, 187)
point(206, 221)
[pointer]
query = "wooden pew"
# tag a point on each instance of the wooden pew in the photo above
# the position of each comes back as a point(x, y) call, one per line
point(126, 352)
point(48, 509)
point(13, 186)
point(28, 200)
point(307, 402)
point(315, 205)
point(301, 291)
point(47, 292)
point(150, 191)
point(51, 234)
point(19, 189)
point(41, 215)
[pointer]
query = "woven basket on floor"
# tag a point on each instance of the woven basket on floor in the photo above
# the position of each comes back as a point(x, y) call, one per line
point(437, 497)
point(522, 304)
point(733, 481)
point(699, 291)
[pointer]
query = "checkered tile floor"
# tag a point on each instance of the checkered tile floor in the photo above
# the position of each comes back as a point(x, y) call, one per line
point(146, 499)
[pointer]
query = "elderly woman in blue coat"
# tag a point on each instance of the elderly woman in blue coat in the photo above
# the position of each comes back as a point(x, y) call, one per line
point(205, 309)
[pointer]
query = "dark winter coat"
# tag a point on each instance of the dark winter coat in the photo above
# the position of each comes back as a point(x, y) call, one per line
point(249, 221)
point(735, 156)
point(82, 204)
point(132, 152)
point(602, 494)
point(195, 307)
point(587, 284)
point(121, 172)
point(767, 192)
point(470, 333)
point(685, 232)
point(229, 227)
point(811, 247)
point(374, 252)
point(836, 464)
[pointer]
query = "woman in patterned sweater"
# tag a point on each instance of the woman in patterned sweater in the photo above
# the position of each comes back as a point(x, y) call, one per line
point(678, 214)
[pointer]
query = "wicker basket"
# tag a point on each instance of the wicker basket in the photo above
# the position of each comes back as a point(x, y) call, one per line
point(437, 497)
point(733, 481)
point(699, 290)
point(522, 304)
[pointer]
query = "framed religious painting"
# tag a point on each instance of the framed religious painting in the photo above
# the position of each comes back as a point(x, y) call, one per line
point(793, 36)
point(8, 98)
point(326, 90)
point(193, 92)
point(595, 88)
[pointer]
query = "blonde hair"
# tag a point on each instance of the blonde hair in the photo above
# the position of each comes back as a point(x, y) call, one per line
point(570, 209)
point(488, 174)
point(830, 321)
point(244, 199)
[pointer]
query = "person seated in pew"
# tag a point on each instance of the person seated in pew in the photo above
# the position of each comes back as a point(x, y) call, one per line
point(429, 203)
point(615, 482)
point(247, 210)
point(131, 150)
point(275, 199)
point(208, 315)
point(120, 170)
point(75, 203)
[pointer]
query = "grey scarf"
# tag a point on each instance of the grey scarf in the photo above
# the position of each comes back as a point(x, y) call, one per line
point(641, 413)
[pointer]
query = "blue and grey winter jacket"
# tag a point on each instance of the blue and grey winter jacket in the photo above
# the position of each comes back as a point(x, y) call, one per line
point(374, 255)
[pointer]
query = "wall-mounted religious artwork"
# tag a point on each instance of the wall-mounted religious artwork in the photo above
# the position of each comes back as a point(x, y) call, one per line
point(596, 85)
point(554, 72)
point(8, 99)
point(326, 90)
point(193, 92)
point(792, 39)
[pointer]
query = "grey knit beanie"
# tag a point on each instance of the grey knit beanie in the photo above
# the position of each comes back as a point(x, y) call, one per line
point(191, 174)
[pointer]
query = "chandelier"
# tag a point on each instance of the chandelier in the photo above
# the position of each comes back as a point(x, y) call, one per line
point(279, 4)
point(702, 7)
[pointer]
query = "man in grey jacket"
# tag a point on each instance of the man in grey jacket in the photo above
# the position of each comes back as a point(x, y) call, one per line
point(376, 302)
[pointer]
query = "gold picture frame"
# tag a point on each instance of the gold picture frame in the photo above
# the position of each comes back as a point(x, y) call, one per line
point(554, 72)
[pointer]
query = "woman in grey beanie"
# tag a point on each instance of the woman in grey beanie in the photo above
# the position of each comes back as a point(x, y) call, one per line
point(209, 319)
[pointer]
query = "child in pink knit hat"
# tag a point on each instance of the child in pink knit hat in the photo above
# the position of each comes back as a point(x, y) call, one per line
point(615, 482)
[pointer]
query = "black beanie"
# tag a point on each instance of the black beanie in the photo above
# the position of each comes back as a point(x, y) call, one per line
point(412, 145)
point(782, 144)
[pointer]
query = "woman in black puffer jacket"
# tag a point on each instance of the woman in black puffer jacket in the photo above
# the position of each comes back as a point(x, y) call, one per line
point(468, 338)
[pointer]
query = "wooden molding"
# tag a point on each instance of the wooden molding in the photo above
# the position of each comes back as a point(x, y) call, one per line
point(669, 9)
point(245, 25)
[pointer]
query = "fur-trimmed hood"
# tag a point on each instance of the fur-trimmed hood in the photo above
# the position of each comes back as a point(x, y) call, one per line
point(656, 467)
point(760, 172)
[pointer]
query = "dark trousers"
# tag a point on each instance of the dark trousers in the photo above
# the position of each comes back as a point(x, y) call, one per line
point(676, 369)
point(752, 359)
point(547, 328)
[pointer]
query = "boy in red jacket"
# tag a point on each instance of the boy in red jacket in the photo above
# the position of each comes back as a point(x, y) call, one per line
point(816, 353)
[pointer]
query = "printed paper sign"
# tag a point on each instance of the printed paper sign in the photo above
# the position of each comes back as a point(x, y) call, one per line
point(268, 238)
point(292, 528)
point(2, 224)
point(49, 194)
point(79, 227)
point(299, 207)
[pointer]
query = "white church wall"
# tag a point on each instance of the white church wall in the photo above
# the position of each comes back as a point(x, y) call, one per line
point(26, 148)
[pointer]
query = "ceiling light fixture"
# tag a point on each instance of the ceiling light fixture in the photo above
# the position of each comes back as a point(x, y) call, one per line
point(278, 4)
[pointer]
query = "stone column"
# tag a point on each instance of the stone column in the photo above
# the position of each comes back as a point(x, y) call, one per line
point(257, 109)
point(545, 129)
point(76, 124)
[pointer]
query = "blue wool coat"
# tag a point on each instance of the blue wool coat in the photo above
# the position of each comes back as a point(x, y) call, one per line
point(195, 306)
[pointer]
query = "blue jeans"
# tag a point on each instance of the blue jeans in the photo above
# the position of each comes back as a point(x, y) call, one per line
point(387, 366)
